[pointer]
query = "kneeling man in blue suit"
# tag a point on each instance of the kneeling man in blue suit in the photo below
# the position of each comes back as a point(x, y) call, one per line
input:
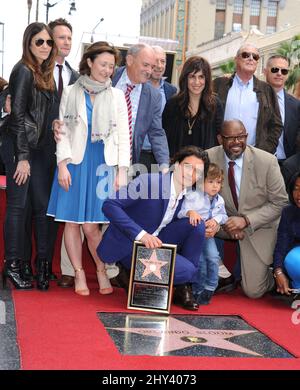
point(147, 211)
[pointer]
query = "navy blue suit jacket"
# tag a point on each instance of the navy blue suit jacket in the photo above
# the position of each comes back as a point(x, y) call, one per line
point(148, 121)
point(288, 235)
point(129, 215)
point(291, 124)
point(169, 89)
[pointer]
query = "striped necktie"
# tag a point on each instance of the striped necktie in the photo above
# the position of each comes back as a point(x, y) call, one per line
point(231, 182)
point(60, 81)
point(129, 108)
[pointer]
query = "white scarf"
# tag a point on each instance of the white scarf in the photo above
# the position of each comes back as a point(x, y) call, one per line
point(103, 117)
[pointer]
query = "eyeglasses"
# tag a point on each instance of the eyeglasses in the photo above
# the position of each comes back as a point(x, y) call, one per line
point(40, 42)
point(232, 138)
point(283, 71)
point(246, 54)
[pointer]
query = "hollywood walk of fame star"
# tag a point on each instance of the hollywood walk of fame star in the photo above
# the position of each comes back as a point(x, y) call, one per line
point(153, 265)
point(178, 335)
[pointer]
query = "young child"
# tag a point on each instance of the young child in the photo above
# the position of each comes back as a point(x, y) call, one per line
point(210, 207)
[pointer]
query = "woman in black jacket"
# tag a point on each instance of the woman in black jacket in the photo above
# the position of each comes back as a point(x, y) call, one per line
point(24, 151)
point(195, 115)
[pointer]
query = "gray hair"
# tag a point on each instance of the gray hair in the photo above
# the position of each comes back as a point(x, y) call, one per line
point(136, 49)
point(244, 46)
point(277, 56)
point(158, 48)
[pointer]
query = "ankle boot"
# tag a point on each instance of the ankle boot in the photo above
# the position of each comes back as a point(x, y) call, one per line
point(42, 282)
point(12, 272)
point(52, 276)
point(26, 270)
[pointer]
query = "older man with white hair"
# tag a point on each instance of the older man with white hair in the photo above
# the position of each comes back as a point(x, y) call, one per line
point(166, 90)
point(251, 100)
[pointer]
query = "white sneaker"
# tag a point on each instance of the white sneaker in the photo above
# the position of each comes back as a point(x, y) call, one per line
point(112, 270)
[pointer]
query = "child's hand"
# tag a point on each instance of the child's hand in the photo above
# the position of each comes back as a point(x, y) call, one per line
point(211, 223)
point(194, 217)
point(211, 228)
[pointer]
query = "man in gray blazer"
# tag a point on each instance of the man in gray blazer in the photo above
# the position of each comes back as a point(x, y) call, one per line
point(145, 102)
point(254, 194)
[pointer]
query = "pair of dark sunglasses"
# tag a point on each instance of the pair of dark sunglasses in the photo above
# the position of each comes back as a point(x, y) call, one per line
point(40, 42)
point(283, 71)
point(246, 54)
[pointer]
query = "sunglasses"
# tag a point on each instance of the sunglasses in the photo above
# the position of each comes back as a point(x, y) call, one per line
point(232, 138)
point(40, 42)
point(283, 71)
point(246, 54)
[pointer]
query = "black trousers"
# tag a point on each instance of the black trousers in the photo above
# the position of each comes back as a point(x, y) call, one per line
point(35, 194)
point(52, 226)
point(147, 159)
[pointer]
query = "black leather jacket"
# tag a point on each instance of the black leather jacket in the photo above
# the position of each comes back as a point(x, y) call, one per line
point(30, 107)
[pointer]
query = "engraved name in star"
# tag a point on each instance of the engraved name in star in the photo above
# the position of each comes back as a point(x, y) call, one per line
point(153, 265)
point(178, 335)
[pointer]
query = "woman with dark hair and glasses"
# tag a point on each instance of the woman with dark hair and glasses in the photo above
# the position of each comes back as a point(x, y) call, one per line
point(287, 250)
point(195, 115)
point(31, 87)
point(95, 142)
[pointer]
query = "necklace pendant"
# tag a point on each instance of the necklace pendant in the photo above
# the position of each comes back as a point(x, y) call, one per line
point(190, 132)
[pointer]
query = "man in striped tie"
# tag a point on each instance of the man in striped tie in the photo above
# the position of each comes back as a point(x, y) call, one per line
point(143, 102)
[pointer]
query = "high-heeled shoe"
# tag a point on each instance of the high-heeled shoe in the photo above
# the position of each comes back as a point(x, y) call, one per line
point(81, 291)
point(104, 283)
point(13, 274)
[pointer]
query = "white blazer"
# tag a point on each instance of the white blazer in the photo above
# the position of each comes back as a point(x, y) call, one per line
point(72, 145)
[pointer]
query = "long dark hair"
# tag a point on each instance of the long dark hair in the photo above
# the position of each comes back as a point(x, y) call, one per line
point(42, 73)
point(207, 103)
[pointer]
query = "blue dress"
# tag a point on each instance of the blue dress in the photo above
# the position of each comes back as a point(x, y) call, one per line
point(92, 182)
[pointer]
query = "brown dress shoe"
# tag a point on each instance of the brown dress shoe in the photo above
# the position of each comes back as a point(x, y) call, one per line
point(66, 281)
point(183, 296)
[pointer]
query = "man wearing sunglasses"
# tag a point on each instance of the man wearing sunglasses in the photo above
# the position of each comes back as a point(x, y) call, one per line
point(251, 100)
point(276, 73)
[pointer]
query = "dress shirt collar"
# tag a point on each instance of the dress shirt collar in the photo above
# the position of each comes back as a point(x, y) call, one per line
point(280, 94)
point(238, 161)
point(240, 83)
point(173, 193)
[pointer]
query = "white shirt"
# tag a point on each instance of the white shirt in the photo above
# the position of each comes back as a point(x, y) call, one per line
point(134, 95)
point(238, 169)
point(170, 211)
point(203, 204)
point(242, 104)
point(65, 73)
point(280, 153)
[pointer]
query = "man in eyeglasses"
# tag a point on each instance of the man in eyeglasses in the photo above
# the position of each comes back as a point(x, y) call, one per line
point(276, 73)
point(251, 100)
point(254, 195)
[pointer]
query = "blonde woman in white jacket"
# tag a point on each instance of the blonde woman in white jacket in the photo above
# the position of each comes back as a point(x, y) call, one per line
point(94, 141)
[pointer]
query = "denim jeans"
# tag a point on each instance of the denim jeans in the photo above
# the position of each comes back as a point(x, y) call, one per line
point(237, 266)
point(207, 274)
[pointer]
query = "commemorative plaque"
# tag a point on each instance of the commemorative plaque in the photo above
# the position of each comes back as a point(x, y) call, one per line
point(151, 278)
